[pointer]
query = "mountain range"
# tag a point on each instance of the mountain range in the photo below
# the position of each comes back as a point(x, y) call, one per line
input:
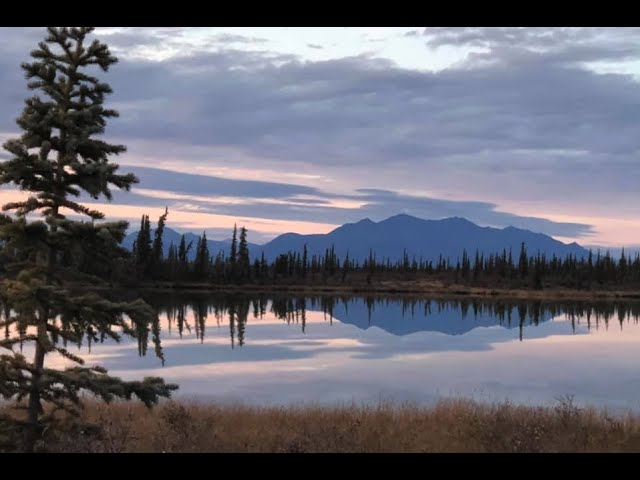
point(391, 237)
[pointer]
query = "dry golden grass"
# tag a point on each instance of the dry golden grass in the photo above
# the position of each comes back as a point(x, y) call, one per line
point(450, 426)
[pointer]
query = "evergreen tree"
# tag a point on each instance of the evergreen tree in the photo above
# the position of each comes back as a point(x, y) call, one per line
point(56, 159)
point(257, 272)
point(523, 262)
point(142, 245)
point(305, 261)
point(243, 257)
point(477, 265)
point(622, 266)
point(182, 250)
point(172, 261)
point(135, 249)
point(264, 267)
point(233, 253)
point(202, 260)
point(183, 257)
point(157, 252)
point(466, 264)
point(197, 261)
point(510, 266)
point(346, 266)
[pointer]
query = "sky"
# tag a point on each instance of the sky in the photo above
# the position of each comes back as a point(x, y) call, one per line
point(303, 129)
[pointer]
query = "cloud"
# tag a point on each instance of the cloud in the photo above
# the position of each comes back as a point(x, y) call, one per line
point(385, 203)
point(204, 194)
point(530, 38)
point(195, 198)
point(233, 38)
point(171, 181)
point(366, 112)
point(523, 119)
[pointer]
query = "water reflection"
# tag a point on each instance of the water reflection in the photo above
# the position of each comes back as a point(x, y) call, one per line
point(397, 316)
point(279, 349)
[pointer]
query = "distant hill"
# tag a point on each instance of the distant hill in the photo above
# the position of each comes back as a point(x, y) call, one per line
point(421, 238)
point(389, 238)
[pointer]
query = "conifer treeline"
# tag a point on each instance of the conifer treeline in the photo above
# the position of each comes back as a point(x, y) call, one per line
point(179, 265)
point(504, 268)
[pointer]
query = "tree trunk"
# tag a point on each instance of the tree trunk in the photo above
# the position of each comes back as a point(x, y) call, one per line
point(32, 431)
point(35, 407)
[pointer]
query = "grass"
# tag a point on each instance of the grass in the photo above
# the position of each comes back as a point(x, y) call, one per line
point(449, 426)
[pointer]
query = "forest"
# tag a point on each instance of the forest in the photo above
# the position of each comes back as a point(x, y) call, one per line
point(505, 269)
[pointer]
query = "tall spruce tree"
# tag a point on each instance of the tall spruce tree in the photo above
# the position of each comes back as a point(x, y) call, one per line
point(523, 262)
point(243, 257)
point(58, 157)
point(172, 261)
point(183, 257)
point(203, 259)
point(233, 253)
point(142, 247)
point(305, 261)
point(157, 250)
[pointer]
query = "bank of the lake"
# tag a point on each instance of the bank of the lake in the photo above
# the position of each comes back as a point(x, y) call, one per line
point(419, 288)
point(450, 426)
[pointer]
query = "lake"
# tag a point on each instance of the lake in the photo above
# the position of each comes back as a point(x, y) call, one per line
point(279, 349)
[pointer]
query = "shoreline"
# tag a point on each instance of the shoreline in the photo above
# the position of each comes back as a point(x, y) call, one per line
point(422, 289)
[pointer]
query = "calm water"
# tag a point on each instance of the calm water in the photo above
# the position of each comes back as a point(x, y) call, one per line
point(276, 350)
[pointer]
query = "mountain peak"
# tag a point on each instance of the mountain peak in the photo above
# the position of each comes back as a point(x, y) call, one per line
point(420, 238)
point(458, 220)
point(402, 217)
